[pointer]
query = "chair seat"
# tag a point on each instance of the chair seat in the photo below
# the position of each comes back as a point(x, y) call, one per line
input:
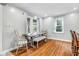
point(39, 38)
point(22, 42)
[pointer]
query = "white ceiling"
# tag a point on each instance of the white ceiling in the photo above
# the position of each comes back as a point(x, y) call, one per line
point(50, 9)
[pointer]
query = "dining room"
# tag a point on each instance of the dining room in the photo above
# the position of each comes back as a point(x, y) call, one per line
point(39, 29)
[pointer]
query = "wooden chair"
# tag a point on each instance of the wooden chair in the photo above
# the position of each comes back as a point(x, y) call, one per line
point(75, 44)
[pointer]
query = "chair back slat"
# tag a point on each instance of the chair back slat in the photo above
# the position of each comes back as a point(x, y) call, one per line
point(72, 34)
point(17, 35)
point(74, 43)
point(75, 39)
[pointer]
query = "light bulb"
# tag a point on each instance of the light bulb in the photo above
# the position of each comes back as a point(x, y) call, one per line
point(12, 9)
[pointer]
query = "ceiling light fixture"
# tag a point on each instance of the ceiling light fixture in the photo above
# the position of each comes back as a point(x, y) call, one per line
point(12, 9)
point(72, 14)
point(45, 15)
point(75, 8)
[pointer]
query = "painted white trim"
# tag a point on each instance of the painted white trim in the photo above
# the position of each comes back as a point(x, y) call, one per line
point(6, 51)
point(59, 39)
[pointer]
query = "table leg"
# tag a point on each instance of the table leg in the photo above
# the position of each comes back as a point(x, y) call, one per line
point(37, 44)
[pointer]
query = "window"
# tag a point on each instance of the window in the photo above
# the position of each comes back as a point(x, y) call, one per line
point(59, 25)
point(34, 25)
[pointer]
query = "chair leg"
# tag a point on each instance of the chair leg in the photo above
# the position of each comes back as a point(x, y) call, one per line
point(27, 48)
point(75, 54)
point(45, 39)
point(17, 50)
point(37, 44)
point(76, 51)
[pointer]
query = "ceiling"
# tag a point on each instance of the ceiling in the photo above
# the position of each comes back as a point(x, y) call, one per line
point(46, 9)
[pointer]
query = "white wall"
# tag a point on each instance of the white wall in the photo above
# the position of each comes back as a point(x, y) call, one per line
point(70, 23)
point(48, 24)
point(41, 24)
point(14, 18)
point(1, 27)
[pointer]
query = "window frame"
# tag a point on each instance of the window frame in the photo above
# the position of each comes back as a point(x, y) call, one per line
point(61, 19)
point(36, 24)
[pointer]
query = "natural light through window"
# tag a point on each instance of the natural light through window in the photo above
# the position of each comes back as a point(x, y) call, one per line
point(59, 25)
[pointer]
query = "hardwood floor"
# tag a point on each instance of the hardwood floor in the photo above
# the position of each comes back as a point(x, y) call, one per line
point(50, 48)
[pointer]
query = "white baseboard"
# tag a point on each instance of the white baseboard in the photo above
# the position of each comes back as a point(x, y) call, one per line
point(6, 51)
point(59, 39)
